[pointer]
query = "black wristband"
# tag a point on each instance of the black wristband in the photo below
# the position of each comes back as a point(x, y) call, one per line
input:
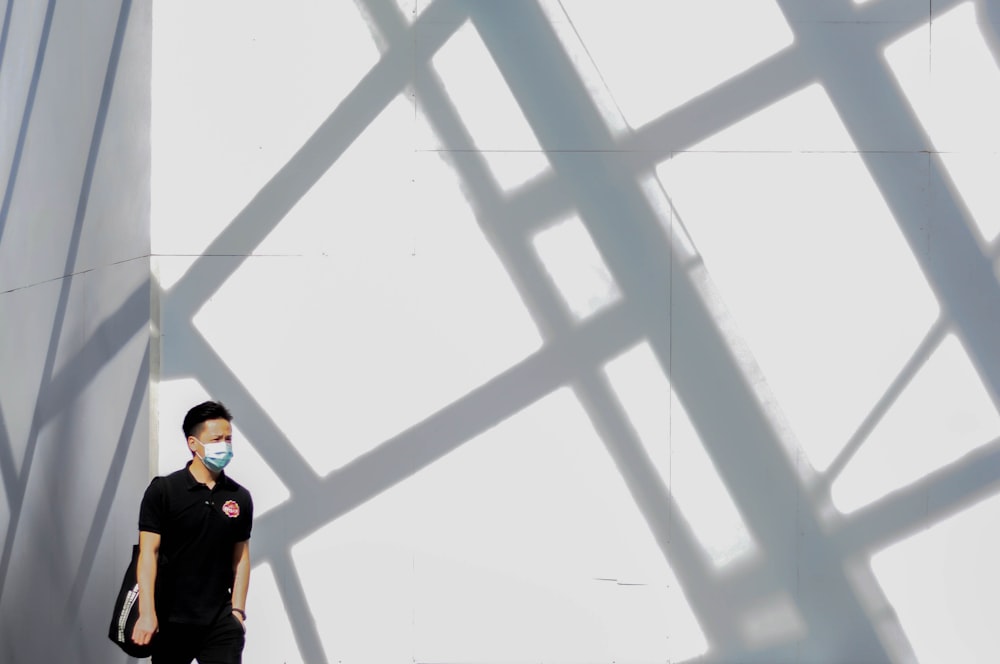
point(243, 614)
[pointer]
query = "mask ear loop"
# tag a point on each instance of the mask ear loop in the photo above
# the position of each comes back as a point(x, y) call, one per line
point(202, 458)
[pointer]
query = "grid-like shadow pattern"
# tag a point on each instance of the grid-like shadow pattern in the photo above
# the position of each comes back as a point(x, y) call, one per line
point(654, 279)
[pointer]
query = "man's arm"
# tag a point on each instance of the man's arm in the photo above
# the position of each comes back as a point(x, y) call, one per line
point(241, 577)
point(149, 551)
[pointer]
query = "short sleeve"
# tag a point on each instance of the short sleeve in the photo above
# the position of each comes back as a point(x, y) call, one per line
point(246, 522)
point(152, 508)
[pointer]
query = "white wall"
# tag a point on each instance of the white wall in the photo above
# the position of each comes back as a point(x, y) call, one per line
point(74, 319)
point(585, 331)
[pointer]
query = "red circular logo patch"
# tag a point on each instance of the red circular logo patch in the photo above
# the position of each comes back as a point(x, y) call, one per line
point(231, 508)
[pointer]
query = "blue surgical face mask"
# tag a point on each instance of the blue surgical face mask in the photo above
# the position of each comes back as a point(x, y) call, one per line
point(217, 455)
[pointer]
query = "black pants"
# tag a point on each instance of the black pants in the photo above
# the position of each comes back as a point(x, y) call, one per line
point(219, 643)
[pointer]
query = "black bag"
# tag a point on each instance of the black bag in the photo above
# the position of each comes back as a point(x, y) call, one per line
point(126, 612)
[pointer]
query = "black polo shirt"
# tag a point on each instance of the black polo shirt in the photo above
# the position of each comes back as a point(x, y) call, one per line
point(198, 528)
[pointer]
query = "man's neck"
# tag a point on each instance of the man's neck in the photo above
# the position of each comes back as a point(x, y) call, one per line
point(202, 474)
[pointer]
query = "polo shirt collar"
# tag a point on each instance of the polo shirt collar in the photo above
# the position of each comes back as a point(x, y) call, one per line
point(192, 483)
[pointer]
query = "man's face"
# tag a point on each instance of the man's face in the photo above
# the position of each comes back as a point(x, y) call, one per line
point(212, 431)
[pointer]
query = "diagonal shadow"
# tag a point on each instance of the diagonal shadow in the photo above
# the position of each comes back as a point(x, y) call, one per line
point(641, 464)
point(931, 499)
point(958, 272)
point(102, 510)
point(761, 85)
point(270, 205)
point(43, 399)
point(8, 466)
point(599, 338)
point(293, 596)
point(603, 245)
point(282, 458)
point(739, 97)
point(79, 371)
point(5, 31)
point(715, 611)
point(901, 514)
point(553, 319)
point(401, 457)
point(382, 83)
point(542, 323)
point(694, 376)
point(758, 474)
point(988, 13)
point(930, 343)
point(29, 106)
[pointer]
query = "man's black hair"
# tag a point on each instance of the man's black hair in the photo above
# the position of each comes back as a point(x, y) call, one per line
point(203, 412)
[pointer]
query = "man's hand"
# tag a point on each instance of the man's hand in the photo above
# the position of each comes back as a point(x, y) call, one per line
point(239, 616)
point(145, 628)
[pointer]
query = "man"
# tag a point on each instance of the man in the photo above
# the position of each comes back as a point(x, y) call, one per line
point(194, 551)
